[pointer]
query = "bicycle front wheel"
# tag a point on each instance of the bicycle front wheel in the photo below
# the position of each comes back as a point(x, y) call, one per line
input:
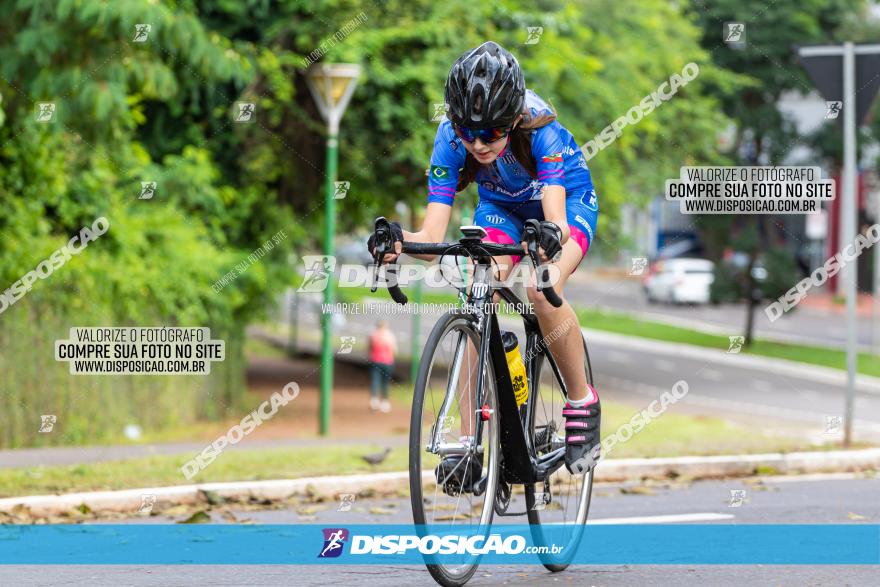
point(452, 479)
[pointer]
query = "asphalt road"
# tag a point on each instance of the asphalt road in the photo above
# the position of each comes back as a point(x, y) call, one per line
point(807, 325)
point(763, 398)
point(825, 499)
point(742, 391)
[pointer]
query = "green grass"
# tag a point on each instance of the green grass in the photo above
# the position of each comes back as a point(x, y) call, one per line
point(670, 435)
point(257, 347)
point(673, 434)
point(868, 364)
point(687, 435)
point(433, 295)
point(235, 465)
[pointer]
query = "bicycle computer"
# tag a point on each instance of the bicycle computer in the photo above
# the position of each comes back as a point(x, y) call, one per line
point(473, 231)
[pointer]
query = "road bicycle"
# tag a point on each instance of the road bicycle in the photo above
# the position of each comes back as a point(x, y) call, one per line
point(464, 389)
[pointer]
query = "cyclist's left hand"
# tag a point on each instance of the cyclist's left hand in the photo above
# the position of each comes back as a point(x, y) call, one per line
point(550, 243)
point(396, 237)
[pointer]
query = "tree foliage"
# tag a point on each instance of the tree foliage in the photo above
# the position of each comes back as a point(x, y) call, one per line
point(163, 110)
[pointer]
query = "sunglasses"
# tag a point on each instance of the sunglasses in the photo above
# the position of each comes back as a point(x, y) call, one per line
point(487, 135)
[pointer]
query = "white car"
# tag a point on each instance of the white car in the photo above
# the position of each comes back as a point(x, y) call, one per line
point(680, 281)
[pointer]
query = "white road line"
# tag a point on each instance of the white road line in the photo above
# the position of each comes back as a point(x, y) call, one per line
point(664, 365)
point(667, 519)
point(761, 385)
point(810, 395)
point(617, 357)
point(712, 374)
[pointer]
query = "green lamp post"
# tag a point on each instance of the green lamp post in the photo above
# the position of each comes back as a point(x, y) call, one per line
point(331, 85)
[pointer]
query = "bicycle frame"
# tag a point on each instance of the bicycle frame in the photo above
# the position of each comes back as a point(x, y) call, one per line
point(520, 461)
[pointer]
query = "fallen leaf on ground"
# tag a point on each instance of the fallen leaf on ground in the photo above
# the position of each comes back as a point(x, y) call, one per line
point(200, 517)
point(637, 490)
point(308, 510)
point(176, 510)
point(380, 510)
point(212, 497)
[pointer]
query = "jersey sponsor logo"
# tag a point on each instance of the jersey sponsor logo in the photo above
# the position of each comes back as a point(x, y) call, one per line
point(585, 224)
point(495, 218)
point(509, 158)
point(593, 203)
point(493, 187)
point(511, 165)
point(453, 144)
point(439, 172)
point(554, 158)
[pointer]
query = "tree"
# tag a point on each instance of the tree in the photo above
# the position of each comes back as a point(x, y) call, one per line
point(763, 134)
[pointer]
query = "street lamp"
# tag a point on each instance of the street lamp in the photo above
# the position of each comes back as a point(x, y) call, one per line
point(331, 85)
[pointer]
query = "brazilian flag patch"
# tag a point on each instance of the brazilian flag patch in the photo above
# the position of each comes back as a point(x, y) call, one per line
point(439, 172)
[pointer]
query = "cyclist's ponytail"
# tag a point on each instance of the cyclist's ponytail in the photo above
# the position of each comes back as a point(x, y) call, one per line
point(520, 144)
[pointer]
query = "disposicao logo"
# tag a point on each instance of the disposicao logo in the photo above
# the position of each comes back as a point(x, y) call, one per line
point(334, 540)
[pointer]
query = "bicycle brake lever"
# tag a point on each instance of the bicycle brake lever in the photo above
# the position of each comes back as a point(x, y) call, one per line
point(374, 282)
point(378, 255)
point(533, 255)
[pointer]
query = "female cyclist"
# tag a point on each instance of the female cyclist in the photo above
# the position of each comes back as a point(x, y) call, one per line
point(526, 166)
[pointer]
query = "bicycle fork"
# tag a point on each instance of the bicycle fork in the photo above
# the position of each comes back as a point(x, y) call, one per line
point(442, 425)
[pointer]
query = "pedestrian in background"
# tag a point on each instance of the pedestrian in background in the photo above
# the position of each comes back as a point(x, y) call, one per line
point(383, 346)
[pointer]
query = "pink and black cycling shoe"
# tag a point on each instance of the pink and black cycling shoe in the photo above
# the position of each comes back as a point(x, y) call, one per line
point(582, 431)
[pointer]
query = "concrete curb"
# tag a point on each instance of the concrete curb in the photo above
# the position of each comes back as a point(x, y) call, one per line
point(130, 500)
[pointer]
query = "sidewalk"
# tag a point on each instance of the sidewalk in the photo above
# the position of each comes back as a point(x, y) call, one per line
point(295, 425)
point(75, 455)
point(824, 303)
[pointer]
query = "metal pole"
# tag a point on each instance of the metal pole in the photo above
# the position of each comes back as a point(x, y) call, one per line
point(293, 344)
point(416, 348)
point(876, 252)
point(326, 324)
point(848, 229)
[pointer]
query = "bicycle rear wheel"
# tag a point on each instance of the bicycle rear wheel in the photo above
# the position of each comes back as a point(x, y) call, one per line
point(566, 514)
point(443, 411)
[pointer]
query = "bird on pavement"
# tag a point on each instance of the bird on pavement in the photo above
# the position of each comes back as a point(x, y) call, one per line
point(377, 458)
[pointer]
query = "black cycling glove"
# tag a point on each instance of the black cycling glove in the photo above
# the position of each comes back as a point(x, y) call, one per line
point(396, 234)
point(551, 239)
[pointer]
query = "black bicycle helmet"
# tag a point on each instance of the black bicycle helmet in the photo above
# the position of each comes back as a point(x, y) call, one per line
point(485, 88)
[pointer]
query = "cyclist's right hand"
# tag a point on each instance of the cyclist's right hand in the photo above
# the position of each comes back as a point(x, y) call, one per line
point(389, 234)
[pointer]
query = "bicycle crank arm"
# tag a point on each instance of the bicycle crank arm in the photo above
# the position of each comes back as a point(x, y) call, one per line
point(548, 463)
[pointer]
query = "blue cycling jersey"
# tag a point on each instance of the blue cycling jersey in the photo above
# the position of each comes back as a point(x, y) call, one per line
point(558, 157)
